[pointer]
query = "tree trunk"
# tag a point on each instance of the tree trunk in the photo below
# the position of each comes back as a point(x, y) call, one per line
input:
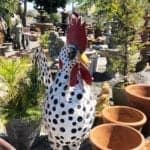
point(126, 59)
point(24, 13)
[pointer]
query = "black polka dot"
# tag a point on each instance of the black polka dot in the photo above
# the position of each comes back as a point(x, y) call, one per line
point(67, 143)
point(46, 111)
point(52, 97)
point(91, 109)
point(61, 141)
point(55, 121)
point(74, 145)
point(53, 129)
point(62, 120)
point(57, 116)
point(63, 94)
point(57, 137)
point(72, 93)
point(73, 137)
point(56, 89)
point(62, 129)
point(51, 90)
point(79, 96)
point(84, 109)
point(61, 137)
point(63, 113)
point(48, 105)
point(65, 87)
point(71, 111)
point(59, 84)
point(74, 123)
point(84, 129)
point(88, 115)
point(79, 106)
point(49, 81)
point(57, 81)
point(55, 101)
point(66, 77)
point(62, 104)
point(54, 108)
point(79, 129)
point(49, 120)
point(73, 130)
point(79, 119)
point(70, 117)
point(49, 113)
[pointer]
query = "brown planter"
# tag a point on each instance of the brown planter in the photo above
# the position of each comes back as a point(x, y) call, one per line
point(119, 96)
point(124, 115)
point(22, 133)
point(116, 137)
point(139, 97)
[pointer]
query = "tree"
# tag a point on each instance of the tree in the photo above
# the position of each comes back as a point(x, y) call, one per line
point(49, 6)
point(8, 7)
point(129, 17)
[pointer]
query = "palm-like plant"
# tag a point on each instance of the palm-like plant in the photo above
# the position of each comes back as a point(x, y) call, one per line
point(12, 70)
point(24, 92)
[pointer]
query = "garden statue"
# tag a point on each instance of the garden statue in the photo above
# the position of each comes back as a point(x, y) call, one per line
point(2, 30)
point(55, 44)
point(69, 109)
point(18, 35)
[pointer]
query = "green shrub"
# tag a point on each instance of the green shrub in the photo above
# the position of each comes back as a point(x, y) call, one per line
point(44, 40)
point(25, 93)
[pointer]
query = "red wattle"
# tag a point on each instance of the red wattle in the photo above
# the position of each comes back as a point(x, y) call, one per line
point(85, 74)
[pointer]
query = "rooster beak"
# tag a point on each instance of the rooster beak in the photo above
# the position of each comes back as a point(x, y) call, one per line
point(84, 59)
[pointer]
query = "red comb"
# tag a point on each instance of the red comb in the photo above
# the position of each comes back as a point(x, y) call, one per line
point(76, 33)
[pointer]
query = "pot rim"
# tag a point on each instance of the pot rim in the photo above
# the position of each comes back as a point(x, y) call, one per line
point(113, 124)
point(134, 124)
point(128, 87)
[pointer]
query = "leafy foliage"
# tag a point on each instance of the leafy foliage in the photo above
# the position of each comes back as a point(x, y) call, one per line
point(8, 6)
point(24, 93)
point(44, 40)
point(12, 70)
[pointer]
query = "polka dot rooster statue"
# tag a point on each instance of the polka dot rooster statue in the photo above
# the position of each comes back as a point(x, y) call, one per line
point(70, 105)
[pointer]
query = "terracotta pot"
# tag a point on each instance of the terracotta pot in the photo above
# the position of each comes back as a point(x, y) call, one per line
point(116, 137)
point(146, 145)
point(124, 115)
point(139, 97)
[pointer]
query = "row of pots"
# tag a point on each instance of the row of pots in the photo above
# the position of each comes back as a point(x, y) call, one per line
point(121, 129)
point(123, 124)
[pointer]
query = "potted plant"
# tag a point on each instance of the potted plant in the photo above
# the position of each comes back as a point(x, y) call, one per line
point(21, 111)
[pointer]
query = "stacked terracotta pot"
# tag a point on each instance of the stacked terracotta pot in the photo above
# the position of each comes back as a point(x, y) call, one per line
point(121, 129)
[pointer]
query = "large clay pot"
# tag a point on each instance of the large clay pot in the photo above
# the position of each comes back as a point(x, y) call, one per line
point(116, 137)
point(124, 115)
point(139, 97)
